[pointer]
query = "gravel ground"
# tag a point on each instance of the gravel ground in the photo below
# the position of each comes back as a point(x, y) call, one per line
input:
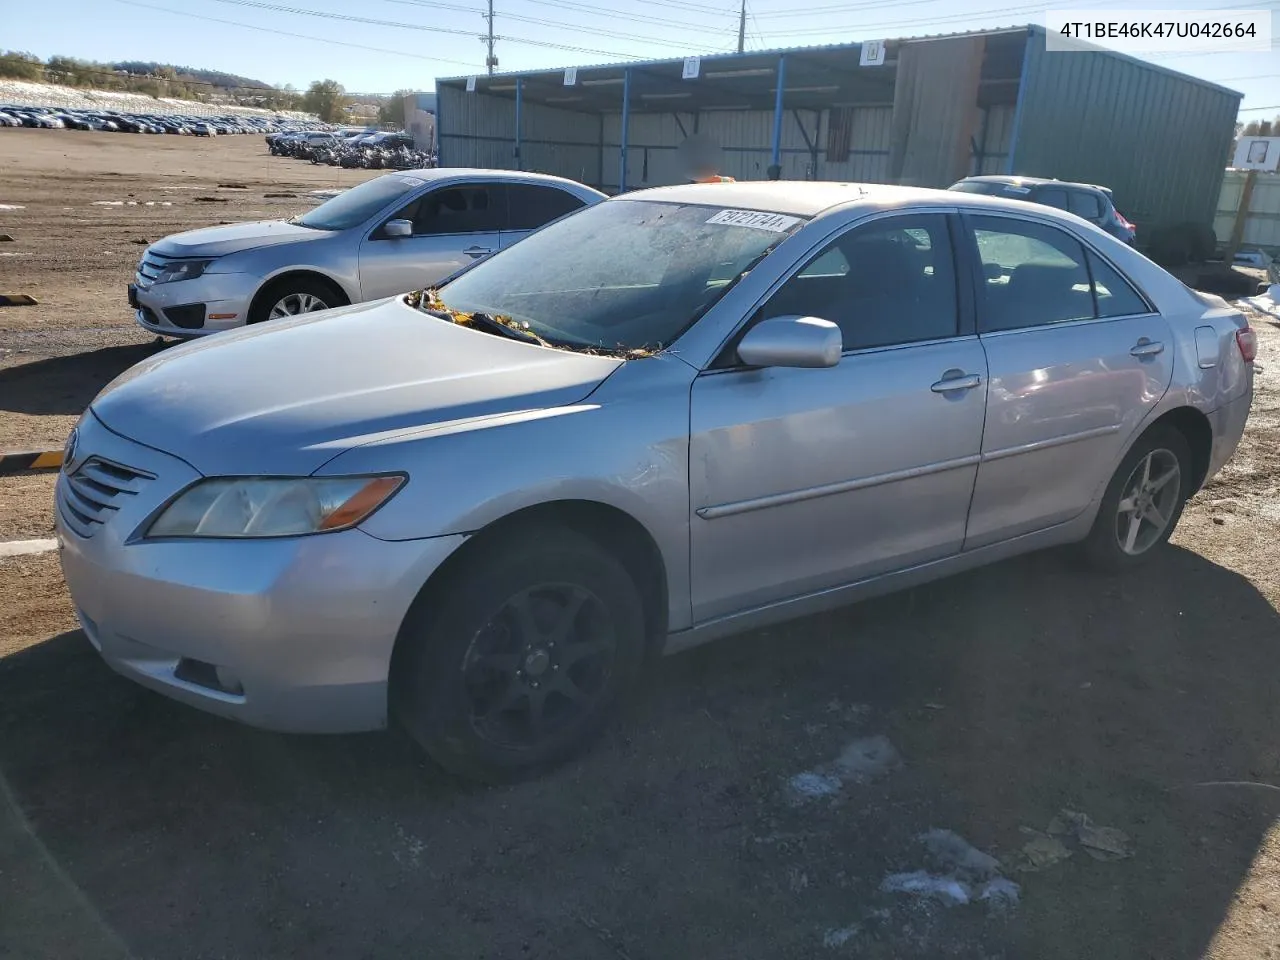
point(764, 796)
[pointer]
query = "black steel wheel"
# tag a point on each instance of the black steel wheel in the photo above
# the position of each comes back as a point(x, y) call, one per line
point(513, 665)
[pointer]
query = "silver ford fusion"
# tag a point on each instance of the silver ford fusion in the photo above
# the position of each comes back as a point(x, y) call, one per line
point(394, 233)
point(680, 413)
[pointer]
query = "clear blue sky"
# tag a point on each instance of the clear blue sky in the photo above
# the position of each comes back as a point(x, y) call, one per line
point(602, 31)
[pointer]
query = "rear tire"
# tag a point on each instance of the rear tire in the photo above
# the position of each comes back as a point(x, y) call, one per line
point(513, 666)
point(1143, 502)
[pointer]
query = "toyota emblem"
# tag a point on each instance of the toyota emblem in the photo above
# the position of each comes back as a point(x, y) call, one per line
point(69, 450)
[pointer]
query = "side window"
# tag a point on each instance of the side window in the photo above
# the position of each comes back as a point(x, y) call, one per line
point(530, 207)
point(1033, 275)
point(1087, 205)
point(1116, 297)
point(889, 282)
point(464, 209)
point(1052, 197)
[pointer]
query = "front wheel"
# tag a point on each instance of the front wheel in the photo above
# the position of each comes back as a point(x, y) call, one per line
point(1143, 502)
point(514, 666)
point(289, 298)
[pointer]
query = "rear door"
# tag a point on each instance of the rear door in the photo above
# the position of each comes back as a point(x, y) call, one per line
point(453, 225)
point(1077, 358)
point(531, 206)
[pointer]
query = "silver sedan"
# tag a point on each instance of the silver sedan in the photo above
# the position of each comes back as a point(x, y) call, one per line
point(388, 235)
point(678, 414)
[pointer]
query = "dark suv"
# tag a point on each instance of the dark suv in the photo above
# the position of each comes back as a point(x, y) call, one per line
point(1086, 200)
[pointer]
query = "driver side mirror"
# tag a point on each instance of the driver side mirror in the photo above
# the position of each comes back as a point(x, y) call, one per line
point(398, 228)
point(792, 342)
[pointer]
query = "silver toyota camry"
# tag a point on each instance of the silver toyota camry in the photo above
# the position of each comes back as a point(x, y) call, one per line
point(394, 233)
point(677, 414)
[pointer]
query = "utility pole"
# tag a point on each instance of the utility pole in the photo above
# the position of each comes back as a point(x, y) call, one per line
point(490, 61)
point(742, 25)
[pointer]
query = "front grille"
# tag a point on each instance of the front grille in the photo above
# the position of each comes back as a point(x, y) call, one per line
point(150, 266)
point(92, 493)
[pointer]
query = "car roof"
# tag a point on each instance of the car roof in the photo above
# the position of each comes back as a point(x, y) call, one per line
point(477, 173)
point(1033, 182)
point(805, 198)
point(812, 198)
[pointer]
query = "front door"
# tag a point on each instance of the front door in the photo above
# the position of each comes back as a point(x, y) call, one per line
point(1077, 359)
point(452, 226)
point(804, 479)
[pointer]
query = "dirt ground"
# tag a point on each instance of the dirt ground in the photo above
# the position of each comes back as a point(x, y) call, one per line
point(755, 800)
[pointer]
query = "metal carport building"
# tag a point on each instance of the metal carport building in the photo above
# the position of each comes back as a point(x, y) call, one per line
point(924, 111)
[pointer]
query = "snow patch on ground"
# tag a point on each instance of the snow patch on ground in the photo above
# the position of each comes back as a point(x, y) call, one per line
point(862, 761)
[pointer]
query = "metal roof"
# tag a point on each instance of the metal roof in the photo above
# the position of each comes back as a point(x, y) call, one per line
point(816, 77)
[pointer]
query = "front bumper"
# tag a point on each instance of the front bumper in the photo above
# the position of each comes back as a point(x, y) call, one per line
point(225, 297)
point(300, 629)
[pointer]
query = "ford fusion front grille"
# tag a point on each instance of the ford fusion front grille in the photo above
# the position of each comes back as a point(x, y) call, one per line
point(93, 492)
point(150, 266)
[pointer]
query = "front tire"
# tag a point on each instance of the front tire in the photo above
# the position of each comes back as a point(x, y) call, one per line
point(513, 666)
point(1143, 502)
point(291, 297)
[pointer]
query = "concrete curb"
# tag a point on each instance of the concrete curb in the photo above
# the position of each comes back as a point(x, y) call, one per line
point(23, 461)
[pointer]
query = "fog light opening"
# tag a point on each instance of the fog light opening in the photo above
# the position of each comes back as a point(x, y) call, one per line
point(211, 677)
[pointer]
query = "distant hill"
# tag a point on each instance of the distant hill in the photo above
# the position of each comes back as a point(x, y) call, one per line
point(228, 81)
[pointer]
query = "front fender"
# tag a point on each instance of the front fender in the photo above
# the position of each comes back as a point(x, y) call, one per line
point(331, 258)
point(626, 446)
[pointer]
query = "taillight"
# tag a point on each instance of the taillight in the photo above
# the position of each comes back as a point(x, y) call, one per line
point(1247, 341)
point(1125, 223)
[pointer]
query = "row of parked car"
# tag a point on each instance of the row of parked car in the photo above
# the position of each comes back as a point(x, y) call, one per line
point(56, 118)
point(370, 150)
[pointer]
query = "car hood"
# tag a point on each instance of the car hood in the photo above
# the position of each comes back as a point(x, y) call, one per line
point(284, 398)
point(232, 238)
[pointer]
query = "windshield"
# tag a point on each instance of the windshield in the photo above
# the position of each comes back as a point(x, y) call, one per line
point(353, 207)
point(625, 275)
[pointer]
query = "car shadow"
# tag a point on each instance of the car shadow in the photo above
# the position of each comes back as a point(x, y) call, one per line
point(66, 385)
point(1008, 693)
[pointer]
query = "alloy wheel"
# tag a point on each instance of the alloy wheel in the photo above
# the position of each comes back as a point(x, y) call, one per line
point(296, 303)
point(1148, 502)
point(542, 662)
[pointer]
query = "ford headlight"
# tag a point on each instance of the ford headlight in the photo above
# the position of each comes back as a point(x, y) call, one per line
point(181, 270)
point(272, 506)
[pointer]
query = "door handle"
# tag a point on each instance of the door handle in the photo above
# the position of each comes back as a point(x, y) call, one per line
point(1147, 348)
point(963, 382)
point(478, 251)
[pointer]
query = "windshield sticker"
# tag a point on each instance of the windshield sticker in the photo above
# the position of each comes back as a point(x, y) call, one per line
point(773, 222)
point(1014, 188)
point(412, 181)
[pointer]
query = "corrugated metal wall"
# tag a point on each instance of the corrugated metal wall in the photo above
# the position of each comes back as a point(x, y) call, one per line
point(1156, 139)
point(994, 133)
point(478, 130)
point(747, 139)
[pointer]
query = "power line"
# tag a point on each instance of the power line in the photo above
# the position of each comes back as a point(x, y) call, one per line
point(1256, 109)
point(400, 25)
point(296, 36)
point(556, 24)
point(575, 7)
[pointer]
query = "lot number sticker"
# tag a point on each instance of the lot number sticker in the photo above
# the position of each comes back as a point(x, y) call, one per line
point(773, 222)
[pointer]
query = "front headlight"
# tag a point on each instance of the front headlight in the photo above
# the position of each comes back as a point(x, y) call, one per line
point(182, 270)
point(272, 506)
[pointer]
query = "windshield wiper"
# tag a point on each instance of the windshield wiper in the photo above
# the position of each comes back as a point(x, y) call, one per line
point(485, 322)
